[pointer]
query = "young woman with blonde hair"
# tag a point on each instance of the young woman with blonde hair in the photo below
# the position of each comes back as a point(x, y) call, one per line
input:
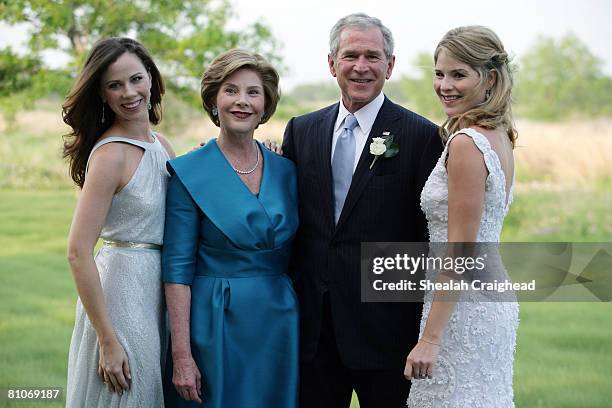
point(465, 353)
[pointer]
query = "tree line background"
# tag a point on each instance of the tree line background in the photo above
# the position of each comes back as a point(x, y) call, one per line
point(556, 79)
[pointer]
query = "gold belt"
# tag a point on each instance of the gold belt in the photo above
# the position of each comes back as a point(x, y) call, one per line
point(130, 244)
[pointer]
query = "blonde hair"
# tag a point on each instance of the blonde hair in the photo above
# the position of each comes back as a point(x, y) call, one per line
point(231, 61)
point(481, 49)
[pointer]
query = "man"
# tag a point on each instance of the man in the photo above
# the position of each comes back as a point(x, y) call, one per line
point(348, 345)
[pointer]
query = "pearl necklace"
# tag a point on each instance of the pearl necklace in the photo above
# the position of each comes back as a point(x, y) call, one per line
point(254, 167)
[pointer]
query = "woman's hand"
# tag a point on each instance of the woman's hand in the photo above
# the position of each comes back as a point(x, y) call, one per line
point(421, 360)
point(185, 376)
point(113, 367)
point(187, 379)
point(201, 145)
point(273, 146)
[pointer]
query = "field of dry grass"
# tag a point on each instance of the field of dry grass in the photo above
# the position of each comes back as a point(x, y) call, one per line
point(560, 154)
point(549, 156)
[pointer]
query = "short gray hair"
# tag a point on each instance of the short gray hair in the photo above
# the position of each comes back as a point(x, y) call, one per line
point(361, 21)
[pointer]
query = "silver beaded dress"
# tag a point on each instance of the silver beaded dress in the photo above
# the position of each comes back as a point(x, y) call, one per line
point(131, 283)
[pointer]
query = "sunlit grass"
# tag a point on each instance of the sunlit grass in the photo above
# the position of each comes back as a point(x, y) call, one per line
point(563, 358)
point(580, 214)
point(37, 297)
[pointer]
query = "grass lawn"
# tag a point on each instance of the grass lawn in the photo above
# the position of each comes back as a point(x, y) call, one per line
point(37, 295)
point(564, 352)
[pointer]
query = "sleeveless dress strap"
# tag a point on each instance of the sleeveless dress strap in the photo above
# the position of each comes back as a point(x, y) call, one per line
point(482, 143)
point(491, 159)
point(139, 143)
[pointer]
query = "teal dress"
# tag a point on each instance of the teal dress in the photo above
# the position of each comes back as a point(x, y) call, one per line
point(232, 247)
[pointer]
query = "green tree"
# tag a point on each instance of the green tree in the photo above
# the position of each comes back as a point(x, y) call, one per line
point(183, 35)
point(418, 89)
point(16, 72)
point(562, 78)
point(23, 79)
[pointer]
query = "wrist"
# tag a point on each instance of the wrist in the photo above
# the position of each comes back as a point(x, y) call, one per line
point(432, 338)
point(181, 355)
point(430, 342)
point(107, 340)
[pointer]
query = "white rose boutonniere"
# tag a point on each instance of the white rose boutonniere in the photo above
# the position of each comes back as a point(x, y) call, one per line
point(383, 147)
point(378, 146)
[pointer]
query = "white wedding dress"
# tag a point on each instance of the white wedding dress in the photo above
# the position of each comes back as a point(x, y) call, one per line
point(475, 364)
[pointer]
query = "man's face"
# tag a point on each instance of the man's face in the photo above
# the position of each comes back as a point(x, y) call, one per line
point(360, 67)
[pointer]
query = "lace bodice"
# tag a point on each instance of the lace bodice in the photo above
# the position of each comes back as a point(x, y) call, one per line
point(434, 198)
point(475, 363)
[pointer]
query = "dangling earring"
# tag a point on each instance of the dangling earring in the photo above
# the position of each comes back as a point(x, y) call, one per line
point(215, 112)
point(149, 106)
point(103, 118)
point(487, 94)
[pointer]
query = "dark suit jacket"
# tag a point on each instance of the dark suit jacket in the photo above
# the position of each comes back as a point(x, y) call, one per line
point(383, 204)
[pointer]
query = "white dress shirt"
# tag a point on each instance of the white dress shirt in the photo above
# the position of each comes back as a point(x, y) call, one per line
point(365, 117)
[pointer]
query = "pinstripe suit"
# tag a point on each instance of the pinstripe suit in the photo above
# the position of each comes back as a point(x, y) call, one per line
point(383, 204)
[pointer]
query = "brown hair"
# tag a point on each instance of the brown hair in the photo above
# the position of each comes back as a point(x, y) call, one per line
point(231, 61)
point(82, 110)
point(480, 48)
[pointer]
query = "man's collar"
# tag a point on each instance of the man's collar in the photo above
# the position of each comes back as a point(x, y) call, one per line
point(365, 116)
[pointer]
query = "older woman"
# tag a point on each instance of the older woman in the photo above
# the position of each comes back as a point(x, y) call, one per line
point(231, 214)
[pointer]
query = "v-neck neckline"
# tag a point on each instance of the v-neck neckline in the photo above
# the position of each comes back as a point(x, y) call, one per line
point(257, 194)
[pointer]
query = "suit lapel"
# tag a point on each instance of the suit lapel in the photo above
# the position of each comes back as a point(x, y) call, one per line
point(323, 148)
point(384, 122)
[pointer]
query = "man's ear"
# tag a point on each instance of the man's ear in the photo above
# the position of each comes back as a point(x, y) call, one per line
point(331, 62)
point(390, 65)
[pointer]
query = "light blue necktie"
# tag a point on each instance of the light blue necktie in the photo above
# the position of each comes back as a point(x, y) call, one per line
point(343, 163)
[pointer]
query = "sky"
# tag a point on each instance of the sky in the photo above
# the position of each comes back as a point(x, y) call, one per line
point(303, 27)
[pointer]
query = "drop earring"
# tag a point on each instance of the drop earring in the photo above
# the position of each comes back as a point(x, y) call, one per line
point(215, 112)
point(487, 94)
point(149, 106)
point(103, 118)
